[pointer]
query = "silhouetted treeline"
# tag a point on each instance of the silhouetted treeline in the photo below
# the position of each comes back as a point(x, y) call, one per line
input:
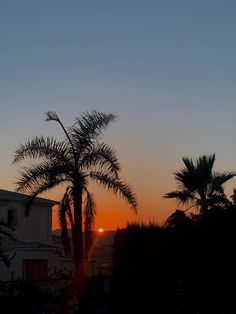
point(186, 266)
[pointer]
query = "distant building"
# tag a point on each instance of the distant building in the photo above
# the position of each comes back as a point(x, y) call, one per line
point(32, 254)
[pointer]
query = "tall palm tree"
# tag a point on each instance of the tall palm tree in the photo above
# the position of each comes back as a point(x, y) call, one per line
point(199, 186)
point(73, 162)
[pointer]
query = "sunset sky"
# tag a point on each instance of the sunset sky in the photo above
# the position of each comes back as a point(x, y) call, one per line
point(167, 68)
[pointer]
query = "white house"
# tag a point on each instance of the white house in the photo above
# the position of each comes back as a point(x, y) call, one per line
point(32, 254)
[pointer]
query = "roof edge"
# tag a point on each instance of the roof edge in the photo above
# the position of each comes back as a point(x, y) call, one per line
point(7, 195)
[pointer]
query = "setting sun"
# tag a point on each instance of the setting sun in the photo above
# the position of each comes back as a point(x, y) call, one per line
point(101, 230)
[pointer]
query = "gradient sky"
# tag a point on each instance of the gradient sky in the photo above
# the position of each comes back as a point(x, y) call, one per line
point(166, 68)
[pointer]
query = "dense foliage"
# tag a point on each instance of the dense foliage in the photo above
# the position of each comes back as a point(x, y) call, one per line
point(188, 267)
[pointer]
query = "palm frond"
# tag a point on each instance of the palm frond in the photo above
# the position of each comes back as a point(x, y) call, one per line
point(89, 211)
point(40, 188)
point(70, 206)
point(64, 212)
point(188, 162)
point(204, 172)
point(41, 147)
point(89, 218)
point(89, 127)
point(196, 176)
point(205, 164)
point(91, 124)
point(183, 197)
point(32, 176)
point(102, 156)
point(186, 180)
point(116, 185)
point(219, 179)
point(52, 116)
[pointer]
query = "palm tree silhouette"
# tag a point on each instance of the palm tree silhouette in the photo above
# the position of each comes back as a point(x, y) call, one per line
point(73, 161)
point(199, 185)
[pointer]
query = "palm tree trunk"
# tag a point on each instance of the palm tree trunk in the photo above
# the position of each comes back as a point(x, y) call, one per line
point(78, 245)
point(74, 293)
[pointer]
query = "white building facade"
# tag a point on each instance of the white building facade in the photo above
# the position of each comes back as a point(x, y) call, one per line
point(31, 254)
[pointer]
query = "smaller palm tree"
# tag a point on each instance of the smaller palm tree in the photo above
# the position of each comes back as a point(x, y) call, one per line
point(199, 186)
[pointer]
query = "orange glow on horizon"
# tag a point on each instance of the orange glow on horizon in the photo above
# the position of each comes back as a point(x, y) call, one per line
point(118, 216)
point(114, 213)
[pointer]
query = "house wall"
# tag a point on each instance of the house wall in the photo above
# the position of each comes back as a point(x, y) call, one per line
point(16, 270)
point(36, 227)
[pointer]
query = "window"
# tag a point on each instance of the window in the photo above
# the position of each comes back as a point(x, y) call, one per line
point(12, 217)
